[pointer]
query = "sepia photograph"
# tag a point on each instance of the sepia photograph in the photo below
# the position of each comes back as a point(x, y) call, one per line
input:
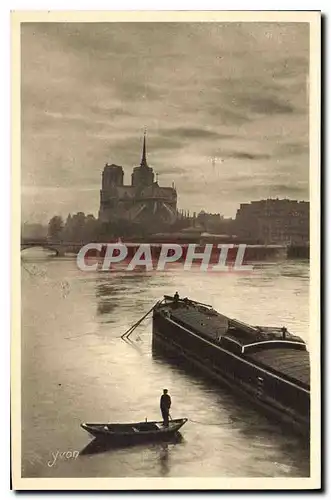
point(166, 208)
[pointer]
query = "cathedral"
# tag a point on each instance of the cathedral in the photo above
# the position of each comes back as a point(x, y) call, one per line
point(143, 201)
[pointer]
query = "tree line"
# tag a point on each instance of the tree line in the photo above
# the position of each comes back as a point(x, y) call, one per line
point(83, 228)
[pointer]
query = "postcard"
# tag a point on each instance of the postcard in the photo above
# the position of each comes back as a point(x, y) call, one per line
point(166, 250)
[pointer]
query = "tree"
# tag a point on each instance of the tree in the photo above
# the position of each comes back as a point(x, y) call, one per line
point(55, 228)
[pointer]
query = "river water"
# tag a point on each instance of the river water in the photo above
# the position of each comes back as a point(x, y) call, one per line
point(76, 368)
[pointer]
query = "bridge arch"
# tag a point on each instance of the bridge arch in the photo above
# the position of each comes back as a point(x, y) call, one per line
point(56, 250)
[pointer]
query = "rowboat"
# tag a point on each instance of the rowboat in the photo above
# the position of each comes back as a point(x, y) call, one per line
point(134, 432)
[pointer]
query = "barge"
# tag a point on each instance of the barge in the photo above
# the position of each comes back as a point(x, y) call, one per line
point(268, 365)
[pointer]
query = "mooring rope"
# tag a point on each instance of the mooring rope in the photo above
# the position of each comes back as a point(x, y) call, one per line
point(207, 423)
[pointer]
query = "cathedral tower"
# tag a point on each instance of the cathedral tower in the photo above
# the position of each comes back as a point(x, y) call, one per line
point(143, 175)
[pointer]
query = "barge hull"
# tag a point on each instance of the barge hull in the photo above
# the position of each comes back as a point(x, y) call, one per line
point(284, 400)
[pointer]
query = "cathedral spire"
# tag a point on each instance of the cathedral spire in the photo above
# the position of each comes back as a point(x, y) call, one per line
point(143, 162)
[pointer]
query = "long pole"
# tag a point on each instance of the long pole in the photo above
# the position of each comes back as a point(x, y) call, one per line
point(133, 327)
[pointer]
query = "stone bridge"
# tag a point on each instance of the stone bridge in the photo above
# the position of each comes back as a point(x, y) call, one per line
point(60, 248)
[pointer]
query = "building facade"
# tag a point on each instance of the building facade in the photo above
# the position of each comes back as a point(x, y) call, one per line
point(274, 221)
point(143, 201)
point(216, 223)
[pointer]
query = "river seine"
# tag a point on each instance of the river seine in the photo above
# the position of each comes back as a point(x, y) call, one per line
point(76, 368)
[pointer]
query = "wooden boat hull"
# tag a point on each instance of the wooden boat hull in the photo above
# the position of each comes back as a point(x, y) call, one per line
point(135, 432)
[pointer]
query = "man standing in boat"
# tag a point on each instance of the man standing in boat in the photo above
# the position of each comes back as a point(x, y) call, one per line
point(165, 403)
point(176, 300)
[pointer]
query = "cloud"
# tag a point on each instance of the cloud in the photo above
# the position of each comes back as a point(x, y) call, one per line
point(247, 156)
point(225, 116)
point(292, 149)
point(172, 171)
point(265, 105)
point(191, 133)
point(237, 91)
point(299, 191)
point(162, 142)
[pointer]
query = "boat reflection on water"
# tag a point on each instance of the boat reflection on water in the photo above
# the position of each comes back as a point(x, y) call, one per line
point(164, 459)
point(101, 446)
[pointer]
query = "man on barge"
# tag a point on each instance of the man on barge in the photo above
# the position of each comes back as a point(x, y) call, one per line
point(165, 403)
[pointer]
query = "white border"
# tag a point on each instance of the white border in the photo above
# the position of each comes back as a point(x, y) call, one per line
point(5, 134)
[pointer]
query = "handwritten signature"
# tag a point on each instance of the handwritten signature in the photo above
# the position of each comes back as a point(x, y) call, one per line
point(34, 458)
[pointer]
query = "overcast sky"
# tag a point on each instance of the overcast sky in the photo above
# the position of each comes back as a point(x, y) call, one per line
point(236, 92)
